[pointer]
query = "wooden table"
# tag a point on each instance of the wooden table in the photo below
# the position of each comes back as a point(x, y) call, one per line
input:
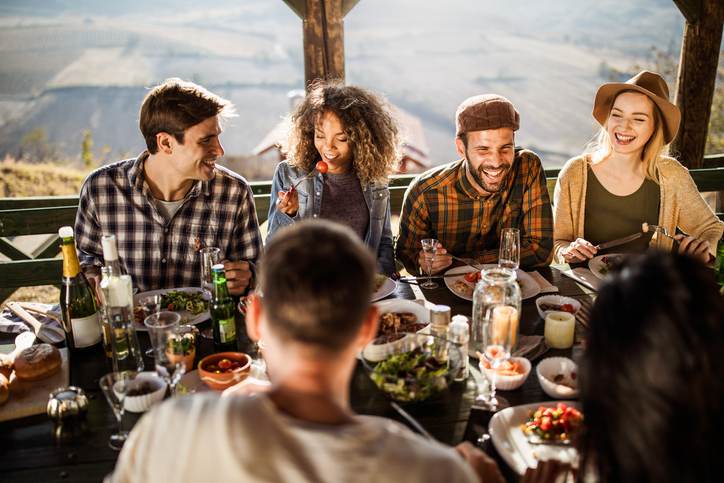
point(33, 449)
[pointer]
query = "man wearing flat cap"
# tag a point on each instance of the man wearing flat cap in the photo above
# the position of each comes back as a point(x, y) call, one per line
point(466, 204)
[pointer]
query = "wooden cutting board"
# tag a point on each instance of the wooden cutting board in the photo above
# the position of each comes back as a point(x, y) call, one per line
point(30, 398)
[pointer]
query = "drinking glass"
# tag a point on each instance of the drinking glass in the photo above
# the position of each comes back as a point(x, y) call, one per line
point(429, 249)
point(115, 386)
point(210, 256)
point(151, 304)
point(509, 255)
point(660, 240)
point(165, 334)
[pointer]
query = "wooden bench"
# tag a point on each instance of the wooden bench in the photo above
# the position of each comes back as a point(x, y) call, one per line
point(44, 215)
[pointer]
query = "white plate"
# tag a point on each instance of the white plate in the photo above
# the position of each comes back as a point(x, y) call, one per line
point(528, 286)
point(598, 267)
point(512, 444)
point(379, 352)
point(385, 289)
point(186, 317)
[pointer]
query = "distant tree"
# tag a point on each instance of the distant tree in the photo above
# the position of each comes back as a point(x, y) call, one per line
point(35, 147)
point(86, 149)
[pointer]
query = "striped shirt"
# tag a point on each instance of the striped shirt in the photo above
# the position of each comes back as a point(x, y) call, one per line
point(156, 252)
point(442, 203)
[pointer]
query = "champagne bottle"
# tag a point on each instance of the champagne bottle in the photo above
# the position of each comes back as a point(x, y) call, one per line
point(222, 312)
point(79, 312)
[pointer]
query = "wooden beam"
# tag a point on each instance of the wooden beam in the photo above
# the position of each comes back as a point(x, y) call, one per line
point(323, 40)
point(690, 9)
point(696, 81)
point(36, 221)
point(298, 6)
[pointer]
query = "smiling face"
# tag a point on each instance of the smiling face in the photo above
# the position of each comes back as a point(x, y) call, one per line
point(630, 123)
point(490, 154)
point(196, 157)
point(332, 143)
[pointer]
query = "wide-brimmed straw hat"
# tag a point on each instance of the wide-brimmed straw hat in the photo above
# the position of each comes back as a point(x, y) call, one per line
point(649, 83)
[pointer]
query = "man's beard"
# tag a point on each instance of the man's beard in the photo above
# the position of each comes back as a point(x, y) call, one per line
point(478, 177)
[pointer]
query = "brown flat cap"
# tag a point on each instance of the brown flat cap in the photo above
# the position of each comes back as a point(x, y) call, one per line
point(648, 83)
point(487, 111)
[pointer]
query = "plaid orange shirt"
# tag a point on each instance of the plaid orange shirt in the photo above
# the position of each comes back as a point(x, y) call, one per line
point(443, 204)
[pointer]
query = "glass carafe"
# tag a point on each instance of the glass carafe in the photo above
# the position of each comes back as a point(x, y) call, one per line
point(497, 286)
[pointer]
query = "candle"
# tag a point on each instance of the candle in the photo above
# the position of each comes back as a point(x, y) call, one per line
point(559, 329)
point(505, 325)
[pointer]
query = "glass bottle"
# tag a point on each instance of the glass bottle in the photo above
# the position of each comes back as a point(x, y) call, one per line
point(719, 264)
point(80, 316)
point(105, 325)
point(117, 290)
point(497, 286)
point(222, 312)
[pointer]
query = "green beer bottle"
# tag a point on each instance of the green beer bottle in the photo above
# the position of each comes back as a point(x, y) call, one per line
point(719, 264)
point(222, 312)
point(80, 316)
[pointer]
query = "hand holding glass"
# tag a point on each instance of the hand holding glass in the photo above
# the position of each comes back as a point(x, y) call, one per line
point(429, 249)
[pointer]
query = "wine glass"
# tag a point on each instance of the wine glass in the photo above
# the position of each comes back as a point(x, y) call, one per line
point(163, 328)
point(151, 304)
point(509, 255)
point(115, 386)
point(429, 249)
point(499, 331)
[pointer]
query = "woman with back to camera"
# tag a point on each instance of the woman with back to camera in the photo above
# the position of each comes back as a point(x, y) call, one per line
point(352, 132)
point(628, 179)
point(652, 376)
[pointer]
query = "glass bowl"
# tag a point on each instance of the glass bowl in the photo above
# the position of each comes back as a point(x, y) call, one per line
point(411, 367)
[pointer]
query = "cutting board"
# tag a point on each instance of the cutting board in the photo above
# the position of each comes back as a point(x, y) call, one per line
point(30, 398)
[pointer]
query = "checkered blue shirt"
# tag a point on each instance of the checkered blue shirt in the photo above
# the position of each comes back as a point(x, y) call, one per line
point(158, 253)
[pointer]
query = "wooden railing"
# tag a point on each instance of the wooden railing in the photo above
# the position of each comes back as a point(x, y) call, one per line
point(44, 215)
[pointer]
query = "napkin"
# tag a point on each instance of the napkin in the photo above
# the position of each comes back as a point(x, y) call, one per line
point(583, 276)
point(545, 285)
point(12, 324)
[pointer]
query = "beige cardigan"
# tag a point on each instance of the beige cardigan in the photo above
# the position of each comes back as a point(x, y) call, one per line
point(681, 205)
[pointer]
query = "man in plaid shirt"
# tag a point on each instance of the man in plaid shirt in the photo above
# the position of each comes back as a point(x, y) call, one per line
point(466, 204)
point(172, 200)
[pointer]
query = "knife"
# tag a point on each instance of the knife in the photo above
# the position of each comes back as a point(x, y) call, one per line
point(619, 241)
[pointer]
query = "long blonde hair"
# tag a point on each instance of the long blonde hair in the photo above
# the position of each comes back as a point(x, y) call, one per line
point(372, 131)
point(654, 149)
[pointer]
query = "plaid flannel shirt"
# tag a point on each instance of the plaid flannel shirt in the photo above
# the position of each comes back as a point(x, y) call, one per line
point(115, 199)
point(443, 204)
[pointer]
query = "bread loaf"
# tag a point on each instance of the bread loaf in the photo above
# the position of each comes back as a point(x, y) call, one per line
point(37, 362)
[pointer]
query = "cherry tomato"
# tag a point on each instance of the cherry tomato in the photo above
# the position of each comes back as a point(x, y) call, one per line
point(224, 364)
point(322, 167)
point(568, 308)
point(545, 423)
point(170, 306)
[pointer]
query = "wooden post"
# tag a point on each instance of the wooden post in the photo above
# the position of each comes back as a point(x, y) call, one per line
point(323, 26)
point(697, 76)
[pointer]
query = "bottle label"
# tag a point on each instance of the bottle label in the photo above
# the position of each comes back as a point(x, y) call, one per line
point(227, 330)
point(86, 331)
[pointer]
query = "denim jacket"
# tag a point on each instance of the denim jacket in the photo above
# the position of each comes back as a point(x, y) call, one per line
point(377, 196)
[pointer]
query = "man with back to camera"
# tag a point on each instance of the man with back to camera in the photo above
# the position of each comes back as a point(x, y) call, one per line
point(466, 204)
point(173, 199)
point(314, 315)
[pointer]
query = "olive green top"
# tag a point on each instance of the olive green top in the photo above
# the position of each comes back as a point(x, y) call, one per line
point(608, 216)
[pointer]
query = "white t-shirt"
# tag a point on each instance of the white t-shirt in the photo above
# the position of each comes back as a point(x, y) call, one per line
point(204, 438)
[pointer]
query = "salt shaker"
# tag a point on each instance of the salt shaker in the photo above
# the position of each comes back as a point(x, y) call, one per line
point(459, 334)
point(439, 320)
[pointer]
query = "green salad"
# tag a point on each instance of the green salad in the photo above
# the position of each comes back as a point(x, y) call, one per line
point(193, 302)
point(411, 376)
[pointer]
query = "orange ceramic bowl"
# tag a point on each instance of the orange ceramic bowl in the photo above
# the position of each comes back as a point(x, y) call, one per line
point(209, 370)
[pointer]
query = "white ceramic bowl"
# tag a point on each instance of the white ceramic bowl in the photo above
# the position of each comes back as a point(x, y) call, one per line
point(142, 403)
point(556, 300)
point(547, 370)
point(378, 352)
point(508, 383)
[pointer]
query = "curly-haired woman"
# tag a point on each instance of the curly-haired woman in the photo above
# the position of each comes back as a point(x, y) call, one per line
point(352, 131)
point(628, 179)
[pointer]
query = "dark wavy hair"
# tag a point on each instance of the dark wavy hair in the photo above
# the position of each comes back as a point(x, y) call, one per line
point(368, 124)
point(652, 377)
point(317, 282)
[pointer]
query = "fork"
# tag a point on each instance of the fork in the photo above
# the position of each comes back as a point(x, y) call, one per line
point(467, 262)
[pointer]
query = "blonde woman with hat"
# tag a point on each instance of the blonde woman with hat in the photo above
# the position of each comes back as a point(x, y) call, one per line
point(627, 179)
